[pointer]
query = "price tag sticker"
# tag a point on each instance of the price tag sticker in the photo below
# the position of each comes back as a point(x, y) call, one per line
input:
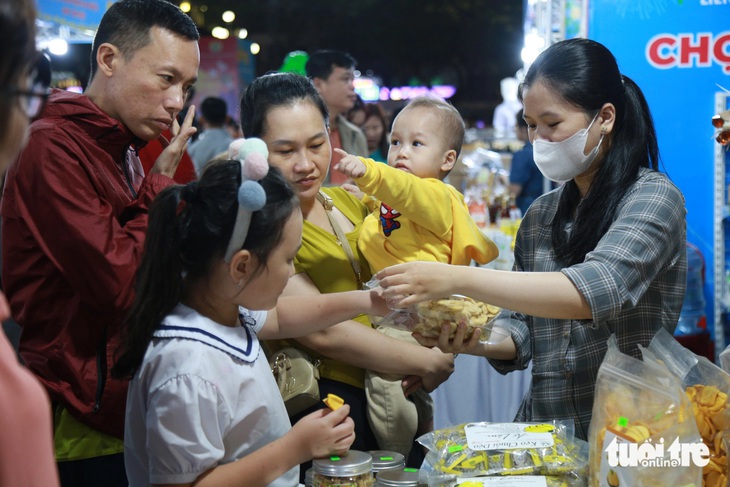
point(507, 436)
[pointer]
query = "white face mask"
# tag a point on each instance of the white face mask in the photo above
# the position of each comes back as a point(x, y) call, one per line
point(564, 160)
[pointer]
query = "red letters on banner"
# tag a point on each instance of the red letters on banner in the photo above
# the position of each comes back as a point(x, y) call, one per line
point(701, 50)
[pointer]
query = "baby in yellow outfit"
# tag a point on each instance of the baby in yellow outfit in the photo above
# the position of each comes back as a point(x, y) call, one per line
point(417, 216)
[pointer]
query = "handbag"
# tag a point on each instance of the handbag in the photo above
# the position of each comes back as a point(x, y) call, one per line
point(296, 374)
point(297, 377)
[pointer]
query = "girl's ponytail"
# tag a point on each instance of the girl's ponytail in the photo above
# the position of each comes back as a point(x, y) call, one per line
point(189, 231)
point(159, 284)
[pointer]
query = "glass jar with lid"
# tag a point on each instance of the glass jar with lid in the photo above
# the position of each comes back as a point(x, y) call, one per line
point(352, 470)
point(386, 459)
point(309, 477)
point(398, 477)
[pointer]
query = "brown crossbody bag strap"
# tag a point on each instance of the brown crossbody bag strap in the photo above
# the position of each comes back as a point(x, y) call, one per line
point(341, 238)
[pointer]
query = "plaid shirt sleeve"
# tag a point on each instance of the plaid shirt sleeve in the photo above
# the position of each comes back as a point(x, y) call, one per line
point(634, 281)
point(635, 251)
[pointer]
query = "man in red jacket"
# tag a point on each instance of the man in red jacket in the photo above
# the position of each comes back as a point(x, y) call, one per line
point(74, 218)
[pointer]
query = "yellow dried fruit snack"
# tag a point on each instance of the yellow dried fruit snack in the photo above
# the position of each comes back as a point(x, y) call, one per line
point(639, 403)
point(479, 449)
point(453, 311)
point(333, 401)
point(709, 406)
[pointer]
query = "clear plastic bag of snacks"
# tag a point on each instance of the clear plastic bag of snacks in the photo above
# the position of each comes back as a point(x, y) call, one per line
point(489, 449)
point(707, 387)
point(428, 317)
point(431, 316)
point(642, 420)
point(725, 359)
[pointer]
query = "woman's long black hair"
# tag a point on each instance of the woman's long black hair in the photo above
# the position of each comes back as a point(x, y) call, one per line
point(189, 230)
point(585, 74)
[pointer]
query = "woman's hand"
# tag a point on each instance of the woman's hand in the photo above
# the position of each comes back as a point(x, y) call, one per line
point(503, 348)
point(353, 189)
point(325, 432)
point(440, 365)
point(413, 282)
point(456, 345)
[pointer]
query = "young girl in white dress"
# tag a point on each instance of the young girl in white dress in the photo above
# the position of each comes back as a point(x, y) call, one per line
point(203, 407)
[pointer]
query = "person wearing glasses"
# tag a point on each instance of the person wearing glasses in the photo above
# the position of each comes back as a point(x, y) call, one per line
point(26, 441)
point(74, 219)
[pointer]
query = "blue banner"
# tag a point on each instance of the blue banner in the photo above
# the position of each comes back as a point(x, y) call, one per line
point(678, 51)
point(79, 14)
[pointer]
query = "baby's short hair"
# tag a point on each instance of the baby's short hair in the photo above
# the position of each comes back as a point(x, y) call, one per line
point(453, 123)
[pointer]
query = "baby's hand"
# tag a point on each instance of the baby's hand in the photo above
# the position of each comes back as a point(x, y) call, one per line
point(352, 189)
point(352, 166)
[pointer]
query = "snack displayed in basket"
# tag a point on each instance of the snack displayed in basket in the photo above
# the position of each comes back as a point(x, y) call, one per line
point(454, 310)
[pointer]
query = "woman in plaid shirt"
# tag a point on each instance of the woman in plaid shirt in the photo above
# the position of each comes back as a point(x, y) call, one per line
point(603, 254)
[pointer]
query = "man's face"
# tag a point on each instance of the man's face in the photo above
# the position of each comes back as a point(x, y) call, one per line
point(147, 91)
point(338, 90)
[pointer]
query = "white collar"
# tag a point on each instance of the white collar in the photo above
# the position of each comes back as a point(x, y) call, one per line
point(239, 342)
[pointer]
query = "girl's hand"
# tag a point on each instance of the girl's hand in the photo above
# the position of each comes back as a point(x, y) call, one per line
point(379, 306)
point(325, 432)
point(413, 282)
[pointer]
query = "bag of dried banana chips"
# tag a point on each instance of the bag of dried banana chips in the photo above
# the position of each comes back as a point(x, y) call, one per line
point(642, 431)
point(707, 386)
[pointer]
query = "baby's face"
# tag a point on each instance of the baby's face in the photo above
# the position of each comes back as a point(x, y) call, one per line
point(417, 143)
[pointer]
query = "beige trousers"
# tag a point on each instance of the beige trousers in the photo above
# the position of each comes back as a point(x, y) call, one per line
point(393, 417)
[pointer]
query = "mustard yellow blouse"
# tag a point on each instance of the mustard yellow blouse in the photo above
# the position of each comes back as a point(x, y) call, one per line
point(327, 265)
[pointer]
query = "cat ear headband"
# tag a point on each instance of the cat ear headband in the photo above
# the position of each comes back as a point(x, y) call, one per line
point(253, 155)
